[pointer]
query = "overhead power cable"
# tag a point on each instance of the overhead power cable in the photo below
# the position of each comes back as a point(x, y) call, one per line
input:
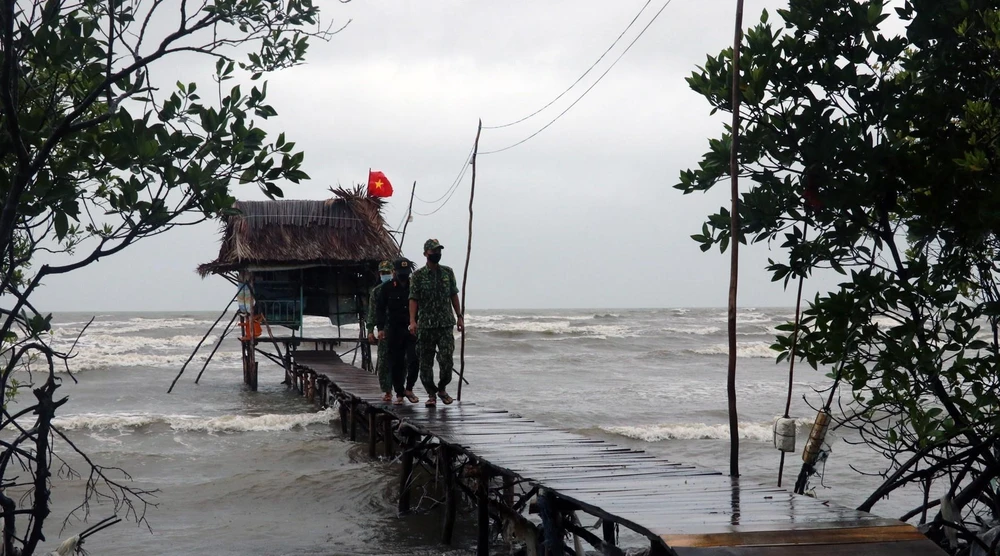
point(468, 157)
point(450, 195)
point(579, 79)
point(561, 114)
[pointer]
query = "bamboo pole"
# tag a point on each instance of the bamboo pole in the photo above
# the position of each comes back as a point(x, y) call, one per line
point(202, 341)
point(409, 215)
point(734, 243)
point(218, 344)
point(468, 253)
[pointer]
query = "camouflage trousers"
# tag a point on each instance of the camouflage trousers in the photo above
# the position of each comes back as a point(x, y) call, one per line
point(382, 367)
point(441, 341)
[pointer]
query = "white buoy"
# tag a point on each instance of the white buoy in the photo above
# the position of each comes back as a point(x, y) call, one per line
point(784, 434)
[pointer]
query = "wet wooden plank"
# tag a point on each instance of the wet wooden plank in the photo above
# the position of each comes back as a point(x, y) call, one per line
point(811, 536)
point(894, 548)
point(693, 509)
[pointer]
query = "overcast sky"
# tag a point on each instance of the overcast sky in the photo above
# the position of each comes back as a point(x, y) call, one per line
point(583, 215)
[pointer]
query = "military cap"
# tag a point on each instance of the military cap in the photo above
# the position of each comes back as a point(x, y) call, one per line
point(432, 244)
point(385, 266)
point(402, 264)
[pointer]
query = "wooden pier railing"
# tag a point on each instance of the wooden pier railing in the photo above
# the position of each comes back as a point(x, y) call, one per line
point(531, 483)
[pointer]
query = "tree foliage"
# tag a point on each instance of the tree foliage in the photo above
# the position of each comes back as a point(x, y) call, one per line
point(96, 154)
point(877, 155)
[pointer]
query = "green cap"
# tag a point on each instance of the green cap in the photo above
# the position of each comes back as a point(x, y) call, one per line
point(432, 244)
point(403, 264)
point(385, 266)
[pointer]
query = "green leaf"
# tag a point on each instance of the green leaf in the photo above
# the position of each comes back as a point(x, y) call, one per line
point(61, 224)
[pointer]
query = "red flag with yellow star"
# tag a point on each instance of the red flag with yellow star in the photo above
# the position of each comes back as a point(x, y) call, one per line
point(378, 184)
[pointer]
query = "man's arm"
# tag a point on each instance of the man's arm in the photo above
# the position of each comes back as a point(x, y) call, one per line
point(458, 311)
point(413, 316)
point(370, 318)
point(381, 309)
point(414, 300)
point(454, 301)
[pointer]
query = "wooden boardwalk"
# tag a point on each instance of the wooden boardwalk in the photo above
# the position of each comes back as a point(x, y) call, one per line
point(509, 465)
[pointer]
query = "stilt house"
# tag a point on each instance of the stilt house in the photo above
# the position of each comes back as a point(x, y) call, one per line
point(298, 258)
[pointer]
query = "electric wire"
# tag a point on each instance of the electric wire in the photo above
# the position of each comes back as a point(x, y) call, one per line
point(579, 79)
point(468, 158)
point(454, 189)
point(561, 114)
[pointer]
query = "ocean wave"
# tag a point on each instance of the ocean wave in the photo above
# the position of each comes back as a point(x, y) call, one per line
point(760, 432)
point(123, 422)
point(696, 330)
point(743, 349)
point(90, 361)
point(123, 344)
point(137, 324)
point(553, 328)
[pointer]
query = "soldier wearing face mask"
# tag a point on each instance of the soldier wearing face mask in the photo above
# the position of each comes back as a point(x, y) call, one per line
point(392, 318)
point(433, 297)
point(381, 366)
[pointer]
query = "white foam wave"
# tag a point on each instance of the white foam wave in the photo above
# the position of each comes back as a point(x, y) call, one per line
point(137, 324)
point(696, 330)
point(760, 432)
point(97, 351)
point(123, 422)
point(557, 327)
point(122, 343)
point(743, 349)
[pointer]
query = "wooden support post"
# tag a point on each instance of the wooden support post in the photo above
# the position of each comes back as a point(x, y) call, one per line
point(342, 409)
point(354, 418)
point(372, 433)
point(450, 493)
point(657, 548)
point(609, 532)
point(387, 439)
point(243, 357)
point(508, 491)
point(409, 445)
point(253, 385)
point(312, 388)
point(483, 507)
point(553, 530)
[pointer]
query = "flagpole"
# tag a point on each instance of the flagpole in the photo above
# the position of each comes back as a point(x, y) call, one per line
point(409, 215)
point(468, 253)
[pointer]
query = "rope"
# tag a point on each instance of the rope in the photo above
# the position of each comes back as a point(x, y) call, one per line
point(791, 355)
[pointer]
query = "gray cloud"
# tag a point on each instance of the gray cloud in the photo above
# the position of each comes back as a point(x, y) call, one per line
point(581, 216)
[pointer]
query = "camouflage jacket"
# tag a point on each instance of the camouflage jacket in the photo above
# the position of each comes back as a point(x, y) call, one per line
point(372, 302)
point(432, 290)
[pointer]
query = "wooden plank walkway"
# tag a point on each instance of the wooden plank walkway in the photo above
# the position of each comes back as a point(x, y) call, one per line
point(683, 509)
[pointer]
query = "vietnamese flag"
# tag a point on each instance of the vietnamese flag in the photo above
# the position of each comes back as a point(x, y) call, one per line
point(378, 185)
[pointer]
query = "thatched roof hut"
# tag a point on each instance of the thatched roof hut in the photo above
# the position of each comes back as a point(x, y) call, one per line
point(347, 230)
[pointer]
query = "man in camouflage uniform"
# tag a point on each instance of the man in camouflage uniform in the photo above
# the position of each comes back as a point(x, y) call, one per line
point(433, 298)
point(382, 365)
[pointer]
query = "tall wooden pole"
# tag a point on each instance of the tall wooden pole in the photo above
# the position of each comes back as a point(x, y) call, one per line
point(409, 215)
point(468, 252)
point(734, 245)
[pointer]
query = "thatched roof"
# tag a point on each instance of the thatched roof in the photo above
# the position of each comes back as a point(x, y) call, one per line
point(346, 229)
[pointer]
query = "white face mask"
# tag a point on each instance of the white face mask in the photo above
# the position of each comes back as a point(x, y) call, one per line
point(385, 277)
